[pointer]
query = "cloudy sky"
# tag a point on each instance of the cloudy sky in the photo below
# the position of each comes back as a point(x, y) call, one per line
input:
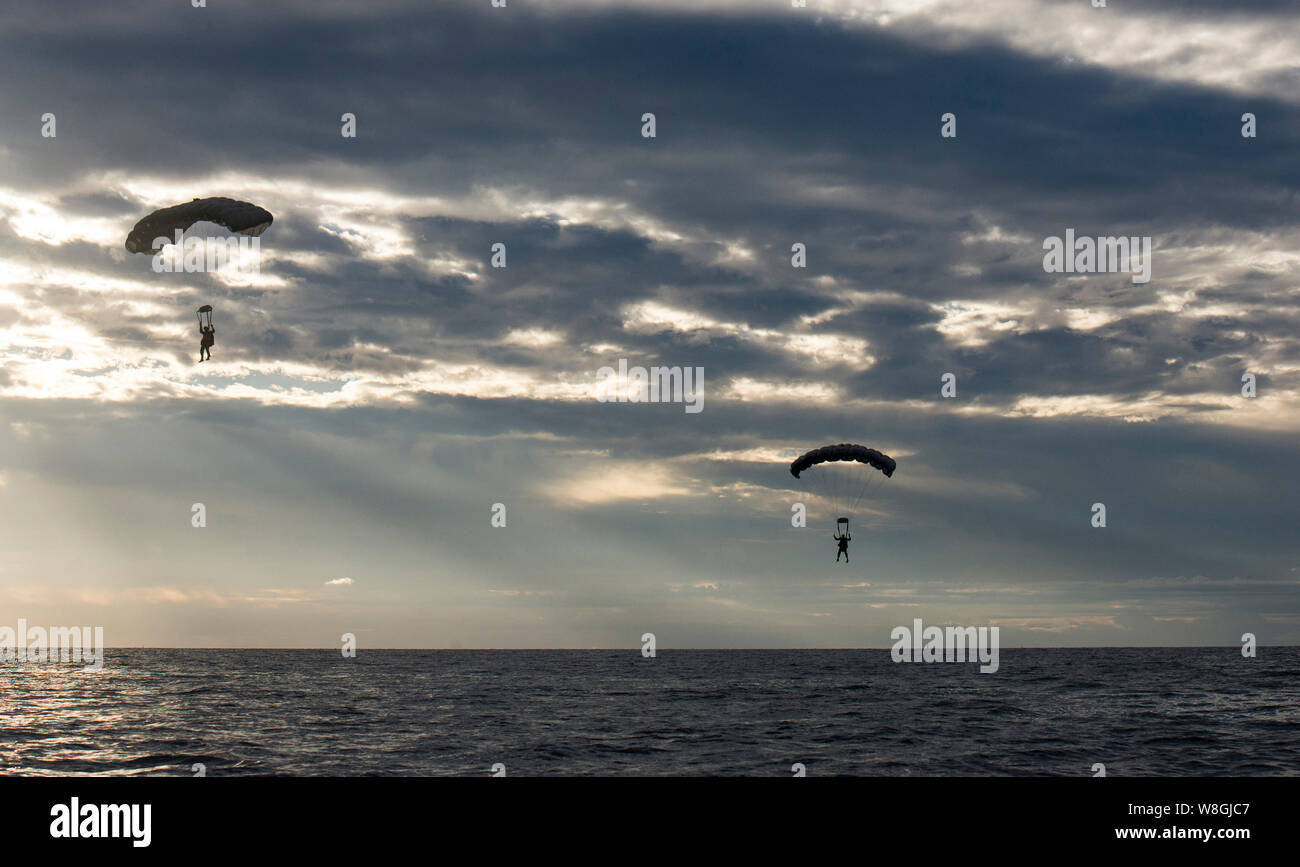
point(380, 385)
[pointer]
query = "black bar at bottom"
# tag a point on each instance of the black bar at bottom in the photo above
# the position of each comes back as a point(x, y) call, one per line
point(665, 817)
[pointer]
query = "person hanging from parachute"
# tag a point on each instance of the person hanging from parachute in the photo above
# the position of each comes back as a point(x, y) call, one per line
point(206, 331)
point(843, 536)
point(842, 474)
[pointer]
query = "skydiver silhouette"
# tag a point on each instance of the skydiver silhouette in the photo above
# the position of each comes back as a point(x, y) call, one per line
point(205, 344)
point(844, 545)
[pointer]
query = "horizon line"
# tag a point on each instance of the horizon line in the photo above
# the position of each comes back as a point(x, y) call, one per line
point(637, 647)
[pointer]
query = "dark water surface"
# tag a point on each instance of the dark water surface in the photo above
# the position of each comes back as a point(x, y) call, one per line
point(1140, 711)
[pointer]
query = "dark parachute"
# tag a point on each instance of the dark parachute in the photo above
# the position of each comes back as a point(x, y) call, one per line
point(242, 217)
point(844, 452)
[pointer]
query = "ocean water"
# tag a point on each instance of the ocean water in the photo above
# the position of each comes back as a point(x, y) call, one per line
point(1140, 711)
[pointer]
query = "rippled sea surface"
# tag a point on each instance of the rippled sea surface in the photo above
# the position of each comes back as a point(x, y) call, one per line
point(1164, 711)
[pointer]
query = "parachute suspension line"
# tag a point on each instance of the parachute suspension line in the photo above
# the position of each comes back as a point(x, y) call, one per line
point(818, 486)
point(834, 488)
point(839, 488)
point(831, 488)
point(868, 481)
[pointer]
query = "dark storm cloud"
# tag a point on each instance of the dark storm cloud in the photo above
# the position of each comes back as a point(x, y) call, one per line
point(742, 116)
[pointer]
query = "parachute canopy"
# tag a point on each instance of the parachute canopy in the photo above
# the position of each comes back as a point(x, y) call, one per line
point(844, 452)
point(242, 217)
point(841, 476)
